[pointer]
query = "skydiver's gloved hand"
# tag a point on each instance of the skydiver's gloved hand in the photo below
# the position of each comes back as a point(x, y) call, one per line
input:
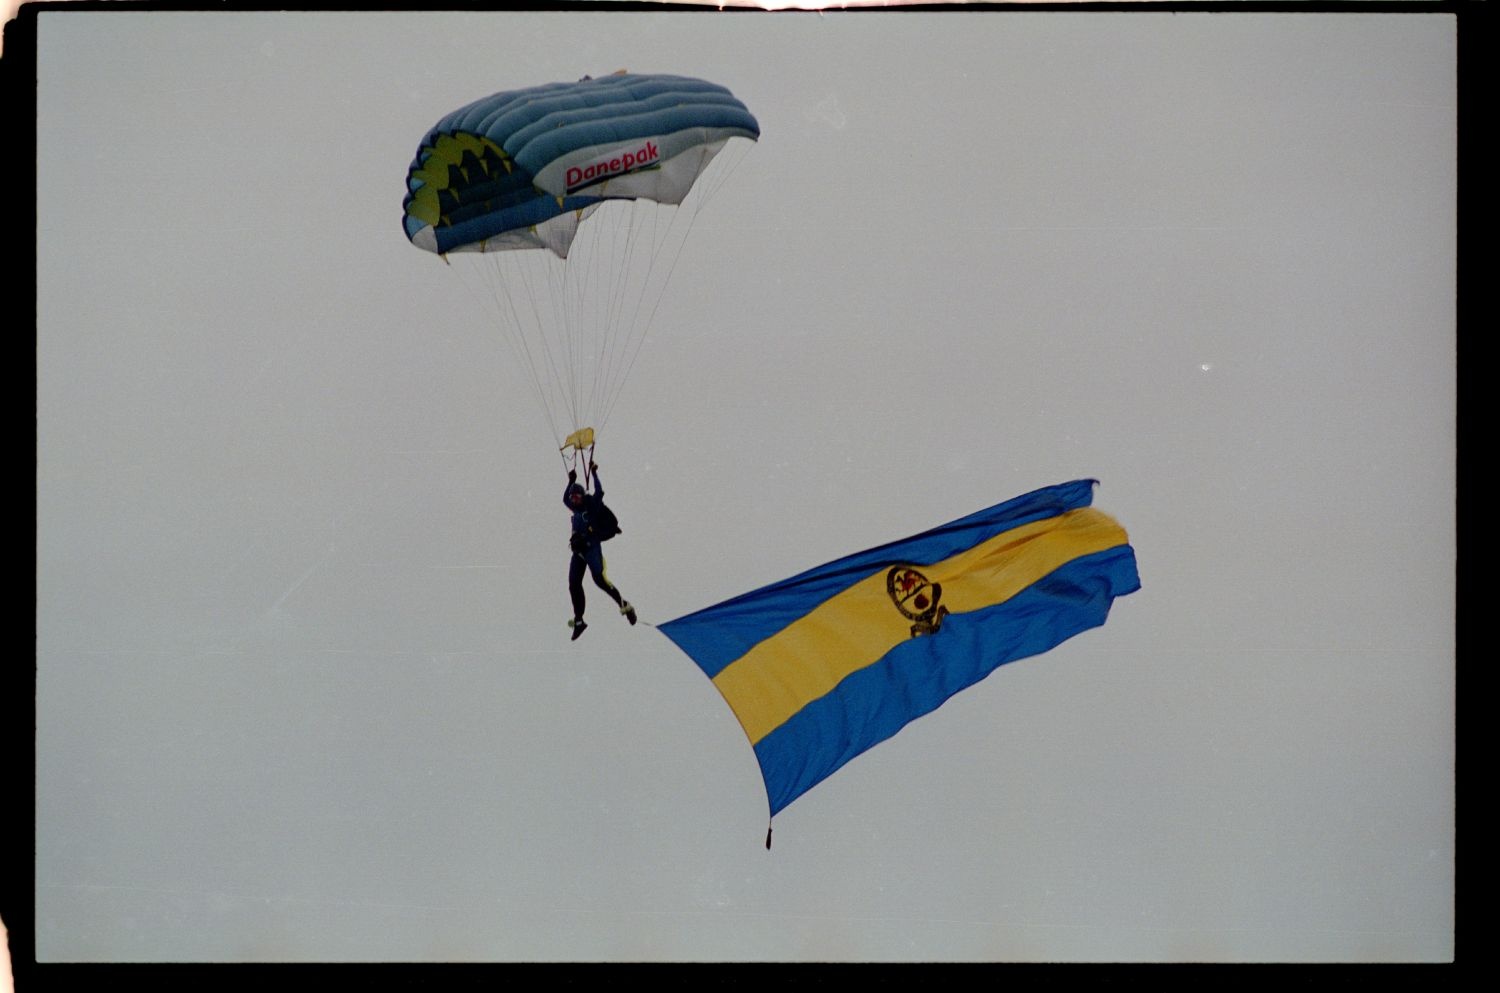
point(593, 466)
point(572, 475)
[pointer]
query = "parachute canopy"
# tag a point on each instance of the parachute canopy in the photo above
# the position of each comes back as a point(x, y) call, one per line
point(521, 168)
point(570, 204)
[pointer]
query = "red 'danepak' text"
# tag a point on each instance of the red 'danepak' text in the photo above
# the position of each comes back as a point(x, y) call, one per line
point(613, 166)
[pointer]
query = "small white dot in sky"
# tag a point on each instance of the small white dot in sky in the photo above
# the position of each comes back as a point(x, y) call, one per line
point(829, 112)
point(1206, 366)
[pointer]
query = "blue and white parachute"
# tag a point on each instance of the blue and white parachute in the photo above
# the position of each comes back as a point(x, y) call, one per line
point(578, 196)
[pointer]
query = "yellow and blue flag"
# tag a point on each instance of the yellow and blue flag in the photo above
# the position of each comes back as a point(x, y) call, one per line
point(822, 666)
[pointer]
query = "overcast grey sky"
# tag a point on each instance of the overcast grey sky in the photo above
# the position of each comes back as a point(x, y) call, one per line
point(305, 690)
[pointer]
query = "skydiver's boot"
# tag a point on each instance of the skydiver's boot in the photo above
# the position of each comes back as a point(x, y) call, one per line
point(628, 611)
point(577, 624)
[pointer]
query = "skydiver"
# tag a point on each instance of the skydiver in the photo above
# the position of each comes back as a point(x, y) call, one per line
point(592, 524)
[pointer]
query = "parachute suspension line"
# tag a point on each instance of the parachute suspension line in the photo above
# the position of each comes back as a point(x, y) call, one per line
point(608, 269)
point(578, 325)
point(646, 236)
point(579, 285)
point(603, 276)
point(635, 244)
point(572, 453)
point(514, 276)
point(483, 272)
point(541, 294)
point(586, 274)
point(513, 327)
point(529, 276)
point(641, 245)
point(677, 229)
point(559, 280)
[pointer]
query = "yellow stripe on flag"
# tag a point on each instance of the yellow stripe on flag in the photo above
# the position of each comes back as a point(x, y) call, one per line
point(809, 657)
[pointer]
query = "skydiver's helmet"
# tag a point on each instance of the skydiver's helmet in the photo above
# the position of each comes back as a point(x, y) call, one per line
point(574, 498)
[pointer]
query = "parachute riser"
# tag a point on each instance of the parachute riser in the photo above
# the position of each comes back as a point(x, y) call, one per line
point(573, 447)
